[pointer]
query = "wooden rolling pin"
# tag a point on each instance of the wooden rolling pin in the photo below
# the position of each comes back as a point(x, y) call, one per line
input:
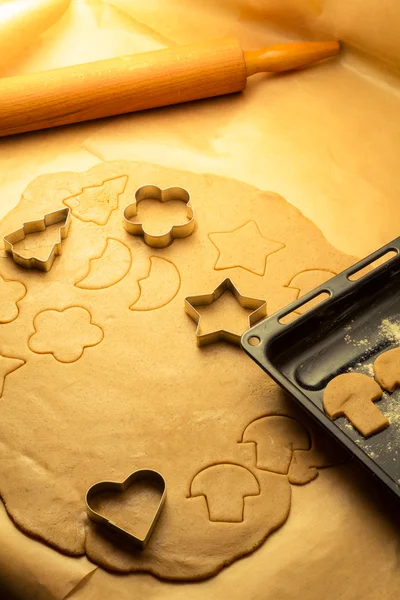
point(131, 83)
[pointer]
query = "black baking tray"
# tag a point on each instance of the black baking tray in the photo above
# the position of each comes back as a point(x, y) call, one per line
point(345, 332)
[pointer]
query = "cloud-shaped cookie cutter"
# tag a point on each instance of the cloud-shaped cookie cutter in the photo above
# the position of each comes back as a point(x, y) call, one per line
point(259, 308)
point(149, 475)
point(31, 262)
point(176, 231)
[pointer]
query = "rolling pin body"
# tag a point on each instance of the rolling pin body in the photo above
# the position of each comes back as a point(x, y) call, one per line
point(132, 83)
point(120, 85)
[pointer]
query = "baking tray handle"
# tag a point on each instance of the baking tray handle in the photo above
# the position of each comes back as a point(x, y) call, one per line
point(337, 286)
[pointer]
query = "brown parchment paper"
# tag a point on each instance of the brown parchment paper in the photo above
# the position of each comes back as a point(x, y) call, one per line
point(328, 140)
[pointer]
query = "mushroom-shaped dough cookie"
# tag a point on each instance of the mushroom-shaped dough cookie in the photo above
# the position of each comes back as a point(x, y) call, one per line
point(387, 369)
point(225, 488)
point(352, 395)
point(275, 438)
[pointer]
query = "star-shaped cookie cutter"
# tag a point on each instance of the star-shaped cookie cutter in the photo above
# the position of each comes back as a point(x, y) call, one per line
point(49, 219)
point(102, 487)
point(258, 306)
point(176, 231)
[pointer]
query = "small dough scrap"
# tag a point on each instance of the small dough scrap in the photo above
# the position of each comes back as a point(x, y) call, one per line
point(352, 395)
point(387, 369)
point(324, 452)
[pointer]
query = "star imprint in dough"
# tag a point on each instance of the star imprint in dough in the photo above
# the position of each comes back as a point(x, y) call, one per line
point(244, 247)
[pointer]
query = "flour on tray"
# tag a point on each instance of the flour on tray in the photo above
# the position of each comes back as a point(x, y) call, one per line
point(390, 330)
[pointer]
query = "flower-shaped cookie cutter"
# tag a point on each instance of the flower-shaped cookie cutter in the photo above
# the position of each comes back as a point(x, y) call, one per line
point(259, 308)
point(149, 475)
point(31, 262)
point(155, 193)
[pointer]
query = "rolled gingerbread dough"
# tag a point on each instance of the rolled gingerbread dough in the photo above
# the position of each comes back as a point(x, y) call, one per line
point(110, 379)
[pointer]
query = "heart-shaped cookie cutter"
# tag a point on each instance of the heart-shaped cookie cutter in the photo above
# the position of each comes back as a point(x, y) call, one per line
point(101, 487)
point(153, 192)
point(31, 262)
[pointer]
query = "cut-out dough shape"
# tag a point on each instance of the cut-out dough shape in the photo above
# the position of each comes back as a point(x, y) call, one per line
point(324, 452)
point(387, 369)
point(96, 203)
point(11, 293)
point(8, 365)
point(164, 239)
point(244, 247)
point(306, 281)
point(225, 487)
point(159, 287)
point(107, 269)
point(257, 307)
point(64, 333)
point(275, 438)
point(352, 395)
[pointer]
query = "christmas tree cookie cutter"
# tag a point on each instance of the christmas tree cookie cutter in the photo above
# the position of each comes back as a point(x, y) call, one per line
point(155, 193)
point(148, 475)
point(32, 262)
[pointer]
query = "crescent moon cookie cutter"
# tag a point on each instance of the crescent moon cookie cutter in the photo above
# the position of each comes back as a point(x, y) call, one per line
point(148, 475)
point(31, 262)
point(259, 308)
point(153, 192)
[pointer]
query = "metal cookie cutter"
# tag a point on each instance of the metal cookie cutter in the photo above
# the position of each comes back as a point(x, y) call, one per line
point(176, 231)
point(259, 308)
point(113, 486)
point(49, 219)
